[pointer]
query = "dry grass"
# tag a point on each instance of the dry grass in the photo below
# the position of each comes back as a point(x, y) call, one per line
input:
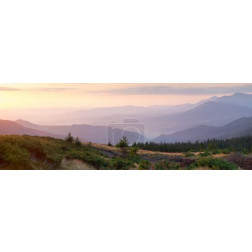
point(140, 151)
point(148, 152)
point(75, 164)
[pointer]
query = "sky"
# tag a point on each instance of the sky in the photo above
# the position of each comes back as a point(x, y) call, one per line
point(83, 95)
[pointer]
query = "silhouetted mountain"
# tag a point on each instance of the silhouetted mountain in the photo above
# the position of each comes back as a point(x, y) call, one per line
point(94, 116)
point(237, 99)
point(210, 113)
point(13, 128)
point(104, 116)
point(91, 124)
point(90, 133)
point(237, 128)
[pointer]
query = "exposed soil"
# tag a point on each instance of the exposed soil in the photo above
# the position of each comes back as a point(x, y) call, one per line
point(244, 162)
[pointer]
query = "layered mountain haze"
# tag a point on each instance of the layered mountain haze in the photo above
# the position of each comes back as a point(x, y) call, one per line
point(237, 99)
point(215, 117)
point(134, 126)
point(210, 113)
point(106, 115)
point(87, 133)
point(13, 128)
point(238, 128)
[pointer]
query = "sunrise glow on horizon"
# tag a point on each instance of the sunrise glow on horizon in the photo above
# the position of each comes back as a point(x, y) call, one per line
point(76, 95)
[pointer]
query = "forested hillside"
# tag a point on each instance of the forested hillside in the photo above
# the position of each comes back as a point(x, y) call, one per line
point(239, 144)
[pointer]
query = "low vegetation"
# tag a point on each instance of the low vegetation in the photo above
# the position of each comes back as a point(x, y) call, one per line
point(213, 163)
point(30, 152)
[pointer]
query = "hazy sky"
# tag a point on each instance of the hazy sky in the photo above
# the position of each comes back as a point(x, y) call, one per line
point(116, 94)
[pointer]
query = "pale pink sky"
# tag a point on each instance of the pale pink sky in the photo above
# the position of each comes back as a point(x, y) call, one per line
point(107, 94)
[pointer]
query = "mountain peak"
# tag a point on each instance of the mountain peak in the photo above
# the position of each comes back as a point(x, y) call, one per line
point(239, 94)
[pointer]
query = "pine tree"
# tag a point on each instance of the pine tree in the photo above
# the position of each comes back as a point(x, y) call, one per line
point(69, 138)
point(123, 145)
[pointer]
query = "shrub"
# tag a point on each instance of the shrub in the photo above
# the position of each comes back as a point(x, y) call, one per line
point(189, 154)
point(119, 163)
point(133, 150)
point(215, 151)
point(166, 165)
point(205, 154)
point(226, 151)
point(213, 163)
point(144, 165)
point(77, 142)
point(90, 158)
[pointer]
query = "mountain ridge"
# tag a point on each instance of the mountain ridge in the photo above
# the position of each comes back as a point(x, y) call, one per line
point(88, 133)
point(10, 127)
point(237, 128)
point(210, 113)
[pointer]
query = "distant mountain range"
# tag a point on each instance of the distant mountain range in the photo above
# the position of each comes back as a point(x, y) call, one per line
point(216, 117)
point(211, 113)
point(220, 117)
point(237, 128)
point(13, 128)
point(88, 133)
point(237, 99)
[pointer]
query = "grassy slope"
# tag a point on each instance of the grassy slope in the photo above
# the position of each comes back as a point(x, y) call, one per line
point(29, 152)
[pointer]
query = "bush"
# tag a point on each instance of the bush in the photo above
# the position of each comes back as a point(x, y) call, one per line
point(119, 163)
point(77, 142)
point(189, 154)
point(90, 158)
point(205, 154)
point(215, 151)
point(226, 151)
point(213, 163)
point(166, 165)
point(133, 150)
point(144, 165)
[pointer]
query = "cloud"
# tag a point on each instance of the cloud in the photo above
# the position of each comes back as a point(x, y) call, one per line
point(169, 90)
point(9, 89)
point(52, 89)
point(148, 89)
point(4, 89)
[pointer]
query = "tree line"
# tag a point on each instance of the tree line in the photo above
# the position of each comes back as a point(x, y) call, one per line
point(239, 144)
